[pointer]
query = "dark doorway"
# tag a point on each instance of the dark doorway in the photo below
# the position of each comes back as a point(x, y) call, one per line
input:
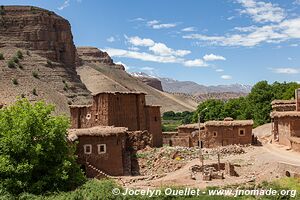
point(170, 143)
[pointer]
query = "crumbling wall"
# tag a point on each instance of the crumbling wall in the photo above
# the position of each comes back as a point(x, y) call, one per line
point(288, 170)
point(284, 131)
point(137, 140)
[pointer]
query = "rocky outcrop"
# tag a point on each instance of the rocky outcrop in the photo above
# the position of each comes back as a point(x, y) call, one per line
point(40, 30)
point(47, 67)
point(153, 82)
point(94, 55)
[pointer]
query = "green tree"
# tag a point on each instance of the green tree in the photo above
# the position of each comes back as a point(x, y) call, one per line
point(211, 109)
point(35, 155)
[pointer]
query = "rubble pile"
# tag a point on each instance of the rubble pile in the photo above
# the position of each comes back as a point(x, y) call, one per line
point(229, 150)
point(164, 160)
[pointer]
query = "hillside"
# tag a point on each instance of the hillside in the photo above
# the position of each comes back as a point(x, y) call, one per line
point(100, 76)
point(48, 67)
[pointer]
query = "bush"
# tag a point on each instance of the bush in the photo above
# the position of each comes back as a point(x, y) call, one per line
point(1, 56)
point(15, 59)
point(28, 53)
point(66, 86)
point(49, 63)
point(35, 155)
point(11, 64)
point(19, 54)
point(34, 92)
point(35, 74)
point(15, 81)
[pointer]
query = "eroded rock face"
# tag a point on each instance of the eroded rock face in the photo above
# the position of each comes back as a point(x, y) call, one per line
point(94, 55)
point(40, 30)
point(153, 82)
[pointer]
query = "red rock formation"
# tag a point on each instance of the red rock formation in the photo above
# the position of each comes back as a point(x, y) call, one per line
point(94, 55)
point(40, 30)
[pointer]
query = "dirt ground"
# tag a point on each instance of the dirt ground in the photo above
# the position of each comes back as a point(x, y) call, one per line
point(253, 164)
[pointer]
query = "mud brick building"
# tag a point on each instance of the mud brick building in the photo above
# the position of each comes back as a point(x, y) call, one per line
point(119, 109)
point(102, 148)
point(227, 132)
point(286, 124)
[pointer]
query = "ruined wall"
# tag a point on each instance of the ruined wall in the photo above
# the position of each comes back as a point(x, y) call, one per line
point(288, 170)
point(227, 135)
point(111, 162)
point(182, 141)
point(154, 124)
point(193, 133)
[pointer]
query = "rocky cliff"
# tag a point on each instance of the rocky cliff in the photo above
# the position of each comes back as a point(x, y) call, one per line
point(148, 79)
point(47, 67)
point(94, 55)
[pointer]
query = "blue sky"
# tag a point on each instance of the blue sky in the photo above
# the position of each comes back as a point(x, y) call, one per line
point(210, 42)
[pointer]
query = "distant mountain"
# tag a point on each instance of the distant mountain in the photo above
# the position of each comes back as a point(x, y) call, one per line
point(189, 87)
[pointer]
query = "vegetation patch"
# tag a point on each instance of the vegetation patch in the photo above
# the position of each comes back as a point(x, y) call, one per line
point(1, 56)
point(11, 64)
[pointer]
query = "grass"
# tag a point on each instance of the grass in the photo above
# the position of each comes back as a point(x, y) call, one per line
point(170, 125)
point(19, 54)
point(15, 81)
point(1, 56)
point(98, 190)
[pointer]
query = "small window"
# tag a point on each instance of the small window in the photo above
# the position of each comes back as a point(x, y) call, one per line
point(88, 116)
point(101, 148)
point(215, 134)
point(96, 117)
point(87, 148)
point(241, 132)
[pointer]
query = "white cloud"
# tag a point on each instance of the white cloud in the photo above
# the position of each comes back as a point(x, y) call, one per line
point(163, 50)
point(195, 63)
point(219, 70)
point(142, 56)
point(262, 12)
point(297, 2)
point(226, 77)
point(137, 19)
point(125, 66)
point(189, 29)
point(274, 33)
point(155, 24)
point(230, 18)
point(64, 5)
point(137, 41)
point(294, 45)
point(289, 58)
point(111, 39)
point(133, 48)
point(213, 57)
point(285, 70)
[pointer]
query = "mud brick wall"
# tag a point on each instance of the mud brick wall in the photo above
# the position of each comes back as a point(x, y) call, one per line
point(112, 162)
point(193, 133)
point(154, 125)
point(227, 135)
point(287, 169)
point(284, 131)
point(182, 141)
point(127, 110)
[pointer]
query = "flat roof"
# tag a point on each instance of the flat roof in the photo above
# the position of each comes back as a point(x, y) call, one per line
point(195, 125)
point(276, 102)
point(126, 92)
point(96, 131)
point(229, 123)
point(285, 114)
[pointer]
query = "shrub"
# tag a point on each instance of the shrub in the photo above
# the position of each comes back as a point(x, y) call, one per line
point(19, 54)
point(1, 56)
point(66, 87)
point(15, 59)
point(11, 64)
point(34, 92)
point(15, 81)
point(35, 74)
point(28, 53)
point(49, 63)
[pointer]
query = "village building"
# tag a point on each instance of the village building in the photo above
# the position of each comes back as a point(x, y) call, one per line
point(102, 149)
point(226, 132)
point(286, 124)
point(283, 105)
point(119, 109)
